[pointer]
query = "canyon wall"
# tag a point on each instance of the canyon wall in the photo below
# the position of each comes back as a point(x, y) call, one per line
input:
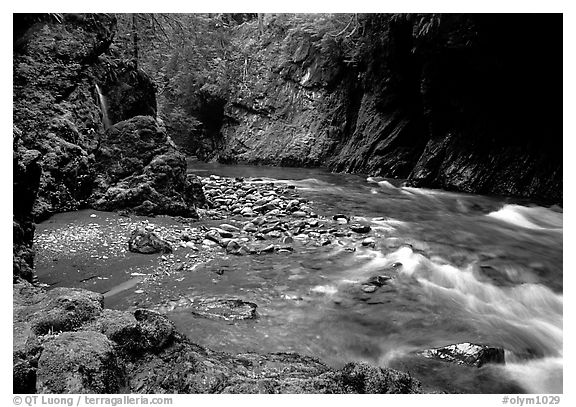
point(461, 102)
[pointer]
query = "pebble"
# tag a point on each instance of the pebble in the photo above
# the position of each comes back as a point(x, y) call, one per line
point(358, 228)
point(229, 228)
point(369, 242)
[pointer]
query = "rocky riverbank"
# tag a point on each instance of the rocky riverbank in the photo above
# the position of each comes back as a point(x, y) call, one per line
point(140, 351)
point(66, 342)
point(116, 351)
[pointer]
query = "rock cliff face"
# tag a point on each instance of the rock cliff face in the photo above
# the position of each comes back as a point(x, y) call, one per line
point(55, 104)
point(445, 101)
point(58, 63)
point(64, 156)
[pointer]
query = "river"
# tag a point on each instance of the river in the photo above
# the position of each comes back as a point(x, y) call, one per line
point(464, 268)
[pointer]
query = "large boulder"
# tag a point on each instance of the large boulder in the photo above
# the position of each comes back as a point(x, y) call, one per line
point(141, 170)
point(134, 333)
point(363, 378)
point(26, 350)
point(66, 309)
point(79, 362)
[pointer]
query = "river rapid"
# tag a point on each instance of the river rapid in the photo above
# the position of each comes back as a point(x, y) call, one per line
point(463, 268)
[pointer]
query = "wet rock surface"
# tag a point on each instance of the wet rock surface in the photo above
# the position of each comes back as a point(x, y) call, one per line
point(466, 353)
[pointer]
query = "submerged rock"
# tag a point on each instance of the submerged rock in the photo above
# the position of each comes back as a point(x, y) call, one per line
point(145, 242)
point(377, 281)
point(466, 353)
point(227, 309)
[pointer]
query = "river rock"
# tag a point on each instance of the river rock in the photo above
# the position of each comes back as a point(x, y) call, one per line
point(233, 247)
point(274, 234)
point(299, 214)
point(287, 240)
point(247, 212)
point(156, 331)
point(79, 362)
point(146, 242)
point(223, 233)
point(369, 242)
point(226, 309)
point(467, 354)
point(368, 288)
point(228, 228)
point(358, 228)
point(267, 249)
point(250, 228)
point(214, 236)
point(292, 205)
point(341, 218)
point(377, 281)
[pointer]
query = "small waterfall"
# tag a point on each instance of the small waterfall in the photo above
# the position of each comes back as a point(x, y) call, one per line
point(103, 108)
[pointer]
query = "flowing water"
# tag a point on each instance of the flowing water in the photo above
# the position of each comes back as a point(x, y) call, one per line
point(464, 268)
point(103, 107)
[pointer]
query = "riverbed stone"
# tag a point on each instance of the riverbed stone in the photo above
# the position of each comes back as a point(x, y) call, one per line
point(223, 233)
point(359, 228)
point(147, 242)
point(226, 309)
point(214, 236)
point(377, 281)
point(229, 228)
point(369, 242)
point(368, 288)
